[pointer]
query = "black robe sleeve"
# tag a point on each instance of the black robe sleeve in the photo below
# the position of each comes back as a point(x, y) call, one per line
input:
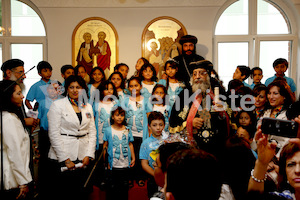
point(180, 112)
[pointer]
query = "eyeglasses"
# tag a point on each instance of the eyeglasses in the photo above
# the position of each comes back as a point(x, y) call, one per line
point(21, 72)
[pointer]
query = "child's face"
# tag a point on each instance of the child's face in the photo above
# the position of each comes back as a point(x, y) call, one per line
point(156, 127)
point(68, 73)
point(237, 75)
point(134, 88)
point(118, 118)
point(257, 76)
point(116, 80)
point(260, 99)
point(46, 74)
point(159, 92)
point(81, 72)
point(244, 119)
point(139, 64)
point(147, 73)
point(124, 71)
point(242, 133)
point(97, 76)
point(109, 91)
point(170, 71)
point(280, 69)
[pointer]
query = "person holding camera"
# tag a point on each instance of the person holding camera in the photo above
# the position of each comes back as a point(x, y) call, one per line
point(289, 169)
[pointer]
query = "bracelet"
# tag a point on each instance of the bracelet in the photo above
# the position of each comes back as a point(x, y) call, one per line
point(258, 180)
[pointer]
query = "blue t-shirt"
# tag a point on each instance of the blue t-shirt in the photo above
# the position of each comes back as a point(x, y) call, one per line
point(289, 81)
point(253, 85)
point(37, 91)
point(246, 84)
point(43, 109)
point(148, 145)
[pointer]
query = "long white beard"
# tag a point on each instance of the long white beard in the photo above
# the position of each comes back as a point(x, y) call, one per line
point(21, 84)
point(201, 84)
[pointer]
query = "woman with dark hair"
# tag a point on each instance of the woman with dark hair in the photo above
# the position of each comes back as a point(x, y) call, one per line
point(289, 174)
point(16, 143)
point(72, 136)
point(280, 98)
point(261, 101)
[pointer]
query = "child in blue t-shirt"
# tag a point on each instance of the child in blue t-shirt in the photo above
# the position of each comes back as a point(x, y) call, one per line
point(159, 103)
point(137, 107)
point(241, 73)
point(256, 75)
point(172, 84)
point(156, 125)
point(148, 78)
point(280, 66)
point(118, 145)
point(35, 92)
point(66, 71)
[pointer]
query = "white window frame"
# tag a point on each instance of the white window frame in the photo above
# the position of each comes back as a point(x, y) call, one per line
point(254, 39)
point(7, 39)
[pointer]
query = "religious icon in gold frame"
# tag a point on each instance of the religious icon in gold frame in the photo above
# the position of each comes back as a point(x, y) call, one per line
point(95, 43)
point(160, 41)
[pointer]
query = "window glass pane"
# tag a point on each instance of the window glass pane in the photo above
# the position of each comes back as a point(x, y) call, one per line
point(230, 55)
point(269, 52)
point(31, 54)
point(234, 20)
point(25, 21)
point(270, 20)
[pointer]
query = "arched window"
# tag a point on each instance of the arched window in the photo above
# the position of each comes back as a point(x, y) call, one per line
point(22, 36)
point(253, 33)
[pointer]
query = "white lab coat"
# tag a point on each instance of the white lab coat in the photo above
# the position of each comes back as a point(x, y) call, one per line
point(62, 119)
point(16, 152)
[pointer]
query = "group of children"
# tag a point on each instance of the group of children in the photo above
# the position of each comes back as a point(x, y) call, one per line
point(132, 115)
point(128, 121)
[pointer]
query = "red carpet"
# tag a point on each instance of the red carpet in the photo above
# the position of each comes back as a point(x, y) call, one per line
point(135, 193)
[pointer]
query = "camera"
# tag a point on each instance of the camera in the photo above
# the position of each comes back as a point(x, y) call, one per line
point(279, 127)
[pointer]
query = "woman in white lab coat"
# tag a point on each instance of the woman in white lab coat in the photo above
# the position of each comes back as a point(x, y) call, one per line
point(16, 144)
point(72, 136)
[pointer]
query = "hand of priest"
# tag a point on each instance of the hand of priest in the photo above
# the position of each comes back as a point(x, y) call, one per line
point(198, 122)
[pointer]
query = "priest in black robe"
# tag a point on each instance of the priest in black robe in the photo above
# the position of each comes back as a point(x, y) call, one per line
point(188, 43)
point(198, 114)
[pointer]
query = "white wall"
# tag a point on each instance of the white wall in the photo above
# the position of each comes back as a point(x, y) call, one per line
point(129, 17)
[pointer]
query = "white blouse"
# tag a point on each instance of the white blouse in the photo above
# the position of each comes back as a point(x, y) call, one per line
point(16, 152)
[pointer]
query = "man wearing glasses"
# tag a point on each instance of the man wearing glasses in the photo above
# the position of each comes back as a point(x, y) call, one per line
point(13, 70)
